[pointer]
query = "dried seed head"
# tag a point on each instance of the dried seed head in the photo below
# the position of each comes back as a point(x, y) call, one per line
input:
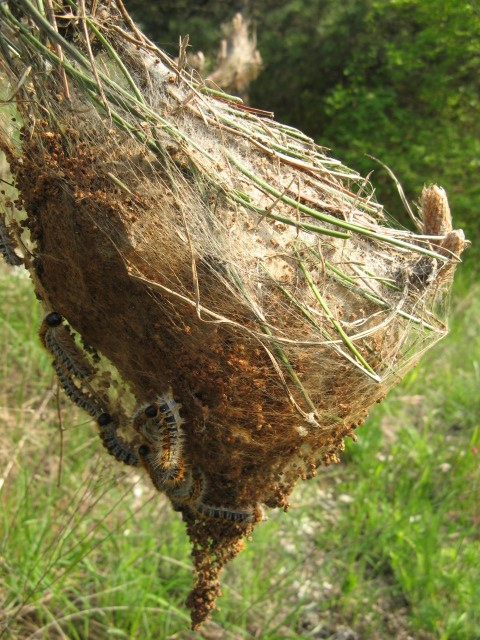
point(436, 216)
point(453, 244)
point(452, 247)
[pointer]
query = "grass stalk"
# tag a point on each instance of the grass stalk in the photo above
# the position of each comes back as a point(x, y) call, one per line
point(290, 370)
point(332, 318)
point(217, 94)
point(352, 285)
point(139, 110)
point(111, 51)
point(245, 200)
point(386, 283)
point(308, 316)
point(331, 219)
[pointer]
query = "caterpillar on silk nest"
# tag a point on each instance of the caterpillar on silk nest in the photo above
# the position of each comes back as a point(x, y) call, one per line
point(159, 426)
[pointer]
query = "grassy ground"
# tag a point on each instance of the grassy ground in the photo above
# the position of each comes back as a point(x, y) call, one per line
point(384, 545)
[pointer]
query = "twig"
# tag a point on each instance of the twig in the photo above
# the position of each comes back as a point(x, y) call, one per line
point(61, 429)
point(376, 234)
point(401, 193)
point(51, 16)
point(83, 20)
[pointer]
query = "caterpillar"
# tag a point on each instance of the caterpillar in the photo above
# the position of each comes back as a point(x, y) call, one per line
point(189, 491)
point(57, 339)
point(146, 424)
point(162, 479)
point(7, 246)
point(170, 409)
point(172, 445)
point(116, 446)
point(50, 321)
point(174, 475)
point(76, 394)
point(252, 514)
point(155, 474)
point(160, 424)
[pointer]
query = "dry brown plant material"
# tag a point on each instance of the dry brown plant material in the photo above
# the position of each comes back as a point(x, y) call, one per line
point(238, 62)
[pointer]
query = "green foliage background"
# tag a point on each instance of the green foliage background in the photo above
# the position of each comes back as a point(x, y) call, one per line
point(397, 79)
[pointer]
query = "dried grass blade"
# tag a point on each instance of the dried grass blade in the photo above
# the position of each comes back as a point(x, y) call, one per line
point(333, 320)
point(376, 234)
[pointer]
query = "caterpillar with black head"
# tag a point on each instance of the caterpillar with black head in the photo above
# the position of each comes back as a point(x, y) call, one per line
point(7, 246)
point(57, 339)
point(160, 424)
point(116, 446)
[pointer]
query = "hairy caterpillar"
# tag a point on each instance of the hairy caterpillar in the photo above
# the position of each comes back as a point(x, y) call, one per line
point(172, 443)
point(170, 409)
point(174, 475)
point(189, 491)
point(7, 245)
point(160, 424)
point(57, 339)
point(116, 446)
point(252, 514)
point(147, 424)
point(162, 479)
point(76, 394)
point(50, 321)
point(155, 473)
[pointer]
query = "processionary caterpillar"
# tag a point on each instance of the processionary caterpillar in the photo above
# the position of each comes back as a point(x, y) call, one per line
point(190, 491)
point(116, 446)
point(58, 340)
point(161, 425)
point(147, 424)
point(162, 479)
point(187, 489)
point(7, 246)
point(252, 514)
point(170, 409)
point(76, 394)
